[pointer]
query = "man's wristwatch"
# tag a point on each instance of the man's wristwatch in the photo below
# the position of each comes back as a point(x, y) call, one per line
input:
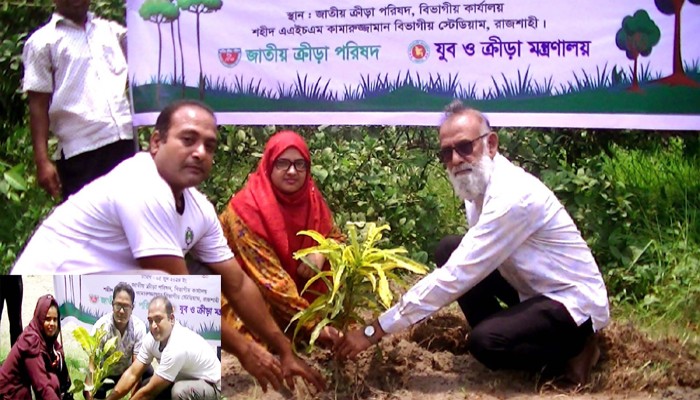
point(369, 332)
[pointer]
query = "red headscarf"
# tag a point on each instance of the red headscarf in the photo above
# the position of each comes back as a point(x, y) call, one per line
point(276, 216)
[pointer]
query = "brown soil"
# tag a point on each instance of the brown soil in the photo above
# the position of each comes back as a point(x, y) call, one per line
point(430, 363)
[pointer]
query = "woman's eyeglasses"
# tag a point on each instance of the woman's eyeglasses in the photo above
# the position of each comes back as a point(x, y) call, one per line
point(283, 164)
point(464, 148)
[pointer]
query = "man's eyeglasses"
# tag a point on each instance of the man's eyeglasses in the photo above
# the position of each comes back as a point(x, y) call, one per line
point(464, 148)
point(126, 307)
point(283, 164)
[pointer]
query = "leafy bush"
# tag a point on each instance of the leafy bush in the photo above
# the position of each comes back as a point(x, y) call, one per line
point(390, 175)
point(22, 203)
point(17, 20)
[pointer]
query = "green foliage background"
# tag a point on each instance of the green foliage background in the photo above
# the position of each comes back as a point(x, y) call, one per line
point(635, 195)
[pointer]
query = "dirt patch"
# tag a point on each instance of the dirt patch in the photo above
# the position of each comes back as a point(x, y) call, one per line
point(631, 360)
point(430, 362)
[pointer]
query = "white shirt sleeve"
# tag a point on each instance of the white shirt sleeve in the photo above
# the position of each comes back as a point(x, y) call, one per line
point(212, 247)
point(118, 29)
point(38, 71)
point(139, 333)
point(145, 355)
point(503, 225)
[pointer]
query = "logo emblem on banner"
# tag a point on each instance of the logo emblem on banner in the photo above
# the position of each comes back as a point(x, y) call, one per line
point(230, 57)
point(418, 51)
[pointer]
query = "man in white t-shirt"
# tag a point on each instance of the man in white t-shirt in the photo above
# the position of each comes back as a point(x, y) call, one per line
point(188, 368)
point(129, 330)
point(147, 214)
point(522, 249)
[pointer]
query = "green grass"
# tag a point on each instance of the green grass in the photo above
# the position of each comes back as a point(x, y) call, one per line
point(656, 168)
point(660, 284)
point(665, 184)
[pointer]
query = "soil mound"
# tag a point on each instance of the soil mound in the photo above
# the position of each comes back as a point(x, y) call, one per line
point(430, 362)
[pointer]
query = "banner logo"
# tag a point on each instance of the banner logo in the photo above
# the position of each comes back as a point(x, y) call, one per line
point(418, 51)
point(230, 57)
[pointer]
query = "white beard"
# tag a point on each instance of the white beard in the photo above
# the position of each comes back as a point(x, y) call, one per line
point(469, 186)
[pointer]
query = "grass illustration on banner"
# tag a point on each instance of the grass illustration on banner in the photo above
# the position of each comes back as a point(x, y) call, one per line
point(411, 91)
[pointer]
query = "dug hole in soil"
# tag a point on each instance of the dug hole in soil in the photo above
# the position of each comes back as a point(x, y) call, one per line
point(430, 362)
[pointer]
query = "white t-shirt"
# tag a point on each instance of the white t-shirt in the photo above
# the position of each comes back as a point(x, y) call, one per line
point(129, 343)
point(523, 231)
point(186, 356)
point(124, 215)
point(85, 71)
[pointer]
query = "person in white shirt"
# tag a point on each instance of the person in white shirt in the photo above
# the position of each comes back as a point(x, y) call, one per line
point(75, 75)
point(146, 214)
point(522, 249)
point(188, 368)
point(129, 330)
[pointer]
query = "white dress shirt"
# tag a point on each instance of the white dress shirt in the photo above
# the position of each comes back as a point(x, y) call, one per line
point(525, 233)
point(85, 71)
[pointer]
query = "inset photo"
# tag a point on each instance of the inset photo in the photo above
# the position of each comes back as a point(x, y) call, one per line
point(112, 337)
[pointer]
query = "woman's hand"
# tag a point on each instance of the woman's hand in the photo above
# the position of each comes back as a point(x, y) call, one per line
point(304, 271)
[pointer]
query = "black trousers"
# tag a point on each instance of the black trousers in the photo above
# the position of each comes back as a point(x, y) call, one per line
point(11, 292)
point(79, 170)
point(526, 335)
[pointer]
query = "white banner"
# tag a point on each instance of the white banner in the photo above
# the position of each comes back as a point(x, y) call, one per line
point(566, 63)
point(196, 300)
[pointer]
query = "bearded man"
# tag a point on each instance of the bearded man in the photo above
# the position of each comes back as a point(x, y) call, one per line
point(522, 274)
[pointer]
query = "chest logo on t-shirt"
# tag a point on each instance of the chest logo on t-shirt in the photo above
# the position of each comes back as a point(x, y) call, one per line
point(189, 236)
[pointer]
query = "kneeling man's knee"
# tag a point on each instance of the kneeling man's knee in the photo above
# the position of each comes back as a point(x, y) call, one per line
point(444, 249)
point(182, 391)
point(488, 347)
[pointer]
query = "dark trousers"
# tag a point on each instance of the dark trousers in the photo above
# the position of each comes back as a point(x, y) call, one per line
point(79, 170)
point(11, 292)
point(526, 335)
point(165, 394)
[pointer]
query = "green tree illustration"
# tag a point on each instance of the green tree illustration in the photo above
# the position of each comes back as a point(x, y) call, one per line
point(172, 37)
point(199, 7)
point(159, 12)
point(674, 7)
point(182, 55)
point(636, 37)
